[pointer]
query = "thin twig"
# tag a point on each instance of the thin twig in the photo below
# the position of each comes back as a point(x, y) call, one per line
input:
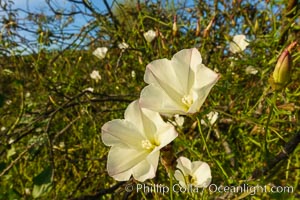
point(289, 147)
point(16, 160)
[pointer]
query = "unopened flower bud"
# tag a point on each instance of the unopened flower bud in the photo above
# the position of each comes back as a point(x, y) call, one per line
point(281, 74)
point(174, 28)
point(198, 28)
point(206, 30)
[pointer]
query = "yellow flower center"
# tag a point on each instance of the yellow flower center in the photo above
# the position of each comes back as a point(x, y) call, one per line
point(187, 100)
point(146, 144)
point(190, 180)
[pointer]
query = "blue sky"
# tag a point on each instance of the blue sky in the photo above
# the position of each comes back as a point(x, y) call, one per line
point(38, 6)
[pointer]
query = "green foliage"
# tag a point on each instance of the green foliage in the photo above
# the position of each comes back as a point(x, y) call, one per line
point(50, 123)
point(42, 183)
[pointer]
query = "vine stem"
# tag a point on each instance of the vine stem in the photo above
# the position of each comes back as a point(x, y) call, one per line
point(208, 152)
point(265, 145)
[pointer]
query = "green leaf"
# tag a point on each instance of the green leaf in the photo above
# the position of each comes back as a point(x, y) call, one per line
point(42, 183)
point(11, 152)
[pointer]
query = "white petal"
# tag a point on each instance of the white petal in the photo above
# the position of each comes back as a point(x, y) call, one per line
point(251, 70)
point(234, 48)
point(179, 176)
point(154, 98)
point(95, 75)
point(150, 35)
point(239, 44)
point(179, 120)
point(201, 170)
point(166, 135)
point(121, 160)
point(186, 63)
point(147, 168)
point(100, 52)
point(185, 165)
point(205, 76)
point(123, 45)
point(205, 80)
point(212, 117)
point(146, 125)
point(149, 122)
point(200, 96)
point(161, 73)
point(119, 131)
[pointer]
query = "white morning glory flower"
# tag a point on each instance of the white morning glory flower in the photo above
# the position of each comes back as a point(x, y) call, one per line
point(251, 70)
point(179, 85)
point(179, 120)
point(95, 75)
point(135, 143)
point(212, 118)
point(123, 46)
point(150, 35)
point(133, 74)
point(195, 173)
point(100, 52)
point(89, 89)
point(239, 44)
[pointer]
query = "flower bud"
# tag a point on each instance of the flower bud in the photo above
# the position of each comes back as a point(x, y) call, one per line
point(281, 74)
point(198, 28)
point(174, 28)
point(256, 26)
point(206, 30)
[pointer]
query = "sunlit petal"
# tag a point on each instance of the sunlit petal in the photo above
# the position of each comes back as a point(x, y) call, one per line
point(195, 173)
point(135, 143)
point(121, 131)
point(122, 159)
point(239, 44)
point(179, 85)
point(147, 168)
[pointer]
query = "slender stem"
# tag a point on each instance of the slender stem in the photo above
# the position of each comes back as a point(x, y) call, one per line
point(208, 152)
point(265, 149)
point(171, 184)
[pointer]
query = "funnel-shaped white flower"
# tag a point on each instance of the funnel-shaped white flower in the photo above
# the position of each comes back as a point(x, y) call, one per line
point(212, 118)
point(150, 35)
point(100, 52)
point(179, 85)
point(195, 173)
point(123, 45)
point(239, 44)
point(95, 75)
point(135, 143)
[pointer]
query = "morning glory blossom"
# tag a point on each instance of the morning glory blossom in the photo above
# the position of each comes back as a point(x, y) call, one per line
point(239, 44)
point(100, 52)
point(123, 46)
point(251, 70)
point(150, 35)
point(95, 75)
point(179, 120)
point(212, 118)
point(135, 143)
point(195, 173)
point(177, 86)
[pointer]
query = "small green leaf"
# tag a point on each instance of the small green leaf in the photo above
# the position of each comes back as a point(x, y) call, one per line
point(42, 183)
point(11, 152)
